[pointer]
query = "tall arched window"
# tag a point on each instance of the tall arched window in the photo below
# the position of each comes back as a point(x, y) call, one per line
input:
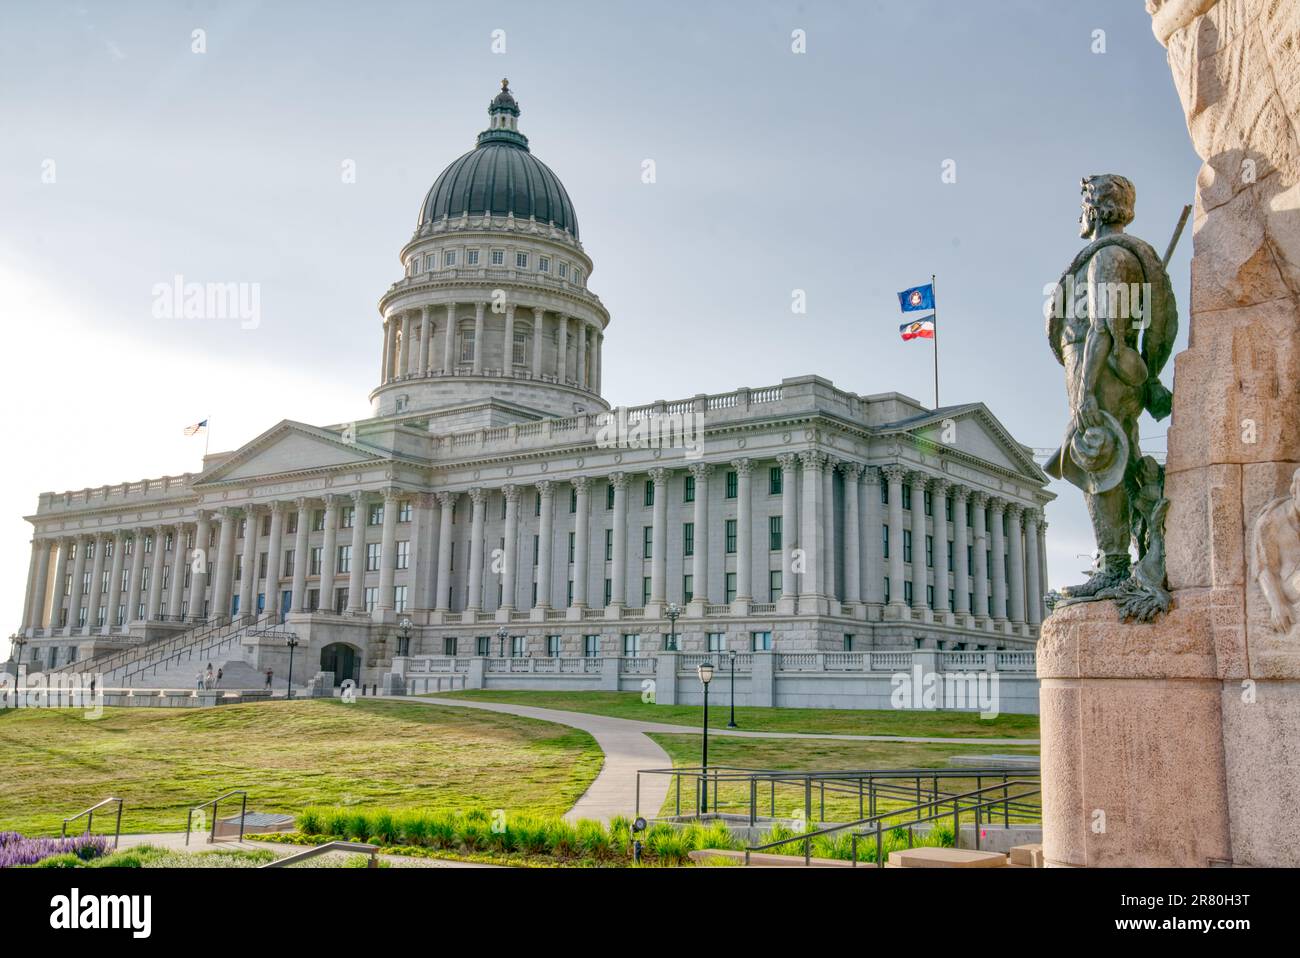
point(467, 344)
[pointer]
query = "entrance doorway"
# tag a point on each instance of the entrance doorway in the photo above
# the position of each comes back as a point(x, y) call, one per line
point(341, 659)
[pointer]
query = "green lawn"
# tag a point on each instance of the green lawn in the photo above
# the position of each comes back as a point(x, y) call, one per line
point(287, 755)
point(837, 721)
point(812, 755)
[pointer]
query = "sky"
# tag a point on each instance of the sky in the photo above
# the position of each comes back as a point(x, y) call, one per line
point(143, 141)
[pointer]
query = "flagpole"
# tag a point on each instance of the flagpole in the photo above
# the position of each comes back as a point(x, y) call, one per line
point(934, 293)
point(207, 435)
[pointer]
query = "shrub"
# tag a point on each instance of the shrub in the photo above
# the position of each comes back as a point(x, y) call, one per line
point(16, 850)
point(384, 829)
point(309, 821)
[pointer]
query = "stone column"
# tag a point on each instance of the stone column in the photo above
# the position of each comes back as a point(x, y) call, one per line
point(442, 598)
point(700, 560)
point(274, 557)
point(388, 549)
point(581, 535)
point(998, 548)
point(199, 561)
point(478, 338)
point(811, 598)
point(920, 578)
point(478, 499)
point(539, 316)
point(248, 576)
point(618, 571)
point(329, 552)
point(449, 342)
point(1016, 559)
point(829, 584)
point(874, 568)
point(939, 497)
point(426, 334)
point(510, 561)
point(357, 573)
point(225, 562)
point(582, 354)
point(152, 604)
point(114, 597)
point(421, 537)
point(77, 596)
point(597, 344)
point(852, 472)
point(546, 544)
point(894, 474)
point(508, 347)
point(1034, 590)
point(95, 598)
point(176, 588)
point(979, 502)
point(744, 534)
point(562, 351)
point(36, 619)
point(960, 564)
point(133, 585)
point(404, 348)
point(298, 601)
point(1044, 585)
point(789, 463)
point(659, 543)
point(386, 361)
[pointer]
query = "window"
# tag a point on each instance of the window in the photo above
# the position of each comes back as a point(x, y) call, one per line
point(345, 559)
point(929, 503)
point(609, 497)
point(467, 345)
point(375, 517)
point(907, 497)
point(929, 596)
point(731, 587)
point(929, 552)
point(373, 553)
point(564, 270)
point(553, 646)
point(471, 257)
point(907, 545)
point(347, 517)
point(449, 258)
point(760, 641)
point(688, 539)
point(688, 489)
point(631, 645)
point(730, 528)
point(886, 588)
point(732, 484)
point(609, 545)
point(688, 588)
point(571, 545)
point(947, 509)
point(399, 598)
point(286, 566)
point(318, 520)
point(907, 591)
point(481, 645)
point(315, 562)
point(519, 351)
point(577, 276)
point(372, 598)
point(774, 533)
point(848, 643)
point(449, 645)
point(645, 591)
point(516, 646)
point(404, 511)
point(774, 584)
point(573, 500)
point(649, 492)
point(290, 525)
point(774, 481)
point(498, 257)
point(647, 542)
point(430, 263)
point(404, 555)
point(543, 264)
point(717, 641)
point(591, 646)
point(521, 260)
point(609, 590)
point(537, 549)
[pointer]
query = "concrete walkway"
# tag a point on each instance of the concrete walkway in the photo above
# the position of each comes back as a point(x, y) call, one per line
point(175, 842)
point(627, 748)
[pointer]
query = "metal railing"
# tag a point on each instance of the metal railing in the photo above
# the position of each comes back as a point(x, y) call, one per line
point(116, 660)
point(90, 819)
point(212, 834)
point(870, 789)
point(205, 642)
point(358, 847)
point(878, 827)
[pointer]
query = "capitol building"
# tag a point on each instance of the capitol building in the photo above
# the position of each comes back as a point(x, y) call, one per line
point(495, 505)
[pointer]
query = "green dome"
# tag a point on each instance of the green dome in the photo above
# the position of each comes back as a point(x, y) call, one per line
point(500, 176)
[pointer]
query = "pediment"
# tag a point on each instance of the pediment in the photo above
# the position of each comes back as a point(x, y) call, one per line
point(976, 432)
point(290, 448)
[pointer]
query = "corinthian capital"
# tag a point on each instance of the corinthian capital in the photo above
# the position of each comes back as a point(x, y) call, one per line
point(894, 472)
point(812, 459)
point(581, 484)
point(743, 467)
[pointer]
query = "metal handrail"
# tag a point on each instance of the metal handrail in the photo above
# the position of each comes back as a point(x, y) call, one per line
point(90, 819)
point(212, 835)
point(194, 641)
point(115, 660)
point(359, 847)
point(878, 820)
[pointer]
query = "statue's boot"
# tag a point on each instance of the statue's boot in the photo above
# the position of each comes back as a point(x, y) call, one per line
point(1113, 571)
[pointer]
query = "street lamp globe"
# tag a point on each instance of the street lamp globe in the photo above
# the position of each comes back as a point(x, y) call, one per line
point(705, 671)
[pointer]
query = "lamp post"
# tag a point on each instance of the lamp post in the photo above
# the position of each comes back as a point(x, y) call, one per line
point(503, 633)
point(673, 611)
point(16, 643)
point(731, 654)
point(705, 672)
point(292, 642)
point(404, 637)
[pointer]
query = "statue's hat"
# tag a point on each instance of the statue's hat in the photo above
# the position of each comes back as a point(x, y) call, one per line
point(1096, 458)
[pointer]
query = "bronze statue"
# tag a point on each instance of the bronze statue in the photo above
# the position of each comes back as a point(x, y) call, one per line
point(1111, 322)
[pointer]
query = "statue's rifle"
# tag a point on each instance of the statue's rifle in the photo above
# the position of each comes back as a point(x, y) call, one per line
point(1178, 232)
